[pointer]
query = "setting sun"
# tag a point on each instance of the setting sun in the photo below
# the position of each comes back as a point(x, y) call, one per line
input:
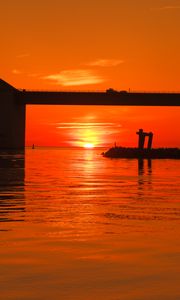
point(88, 146)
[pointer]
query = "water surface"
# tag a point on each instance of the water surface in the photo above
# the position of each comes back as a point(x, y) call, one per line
point(76, 225)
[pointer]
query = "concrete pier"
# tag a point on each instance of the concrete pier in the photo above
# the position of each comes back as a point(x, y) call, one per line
point(13, 106)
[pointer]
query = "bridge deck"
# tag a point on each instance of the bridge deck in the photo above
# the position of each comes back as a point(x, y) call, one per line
point(98, 98)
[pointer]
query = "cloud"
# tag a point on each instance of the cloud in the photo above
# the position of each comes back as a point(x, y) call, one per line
point(86, 125)
point(16, 72)
point(23, 55)
point(34, 75)
point(105, 63)
point(75, 77)
point(168, 7)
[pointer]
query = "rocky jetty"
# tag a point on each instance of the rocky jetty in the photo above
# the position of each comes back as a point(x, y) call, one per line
point(123, 152)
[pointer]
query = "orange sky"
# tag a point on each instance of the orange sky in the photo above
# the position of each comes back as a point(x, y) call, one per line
point(93, 45)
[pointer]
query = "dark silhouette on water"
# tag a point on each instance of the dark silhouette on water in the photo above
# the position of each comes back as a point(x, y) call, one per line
point(12, 174)
point(141, 152)
point(144, 172)
point(142, 136)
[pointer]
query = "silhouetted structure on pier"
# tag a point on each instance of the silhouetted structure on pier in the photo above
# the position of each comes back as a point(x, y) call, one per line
point(13, 106)
point(141, 152)
point(142, 136)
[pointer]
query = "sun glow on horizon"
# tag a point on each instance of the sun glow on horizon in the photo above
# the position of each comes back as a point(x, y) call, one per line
point(88, 146)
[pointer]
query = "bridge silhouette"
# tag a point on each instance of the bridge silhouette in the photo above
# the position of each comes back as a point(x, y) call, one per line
point(13, 106)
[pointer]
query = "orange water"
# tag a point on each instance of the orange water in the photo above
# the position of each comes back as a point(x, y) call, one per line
point(75, 225)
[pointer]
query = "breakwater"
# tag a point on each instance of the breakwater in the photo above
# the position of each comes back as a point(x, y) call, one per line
point(123, 152)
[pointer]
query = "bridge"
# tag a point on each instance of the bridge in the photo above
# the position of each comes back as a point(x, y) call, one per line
point(13, 106)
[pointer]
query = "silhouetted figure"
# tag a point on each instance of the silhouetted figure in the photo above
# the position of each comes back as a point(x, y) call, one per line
point(33, 146)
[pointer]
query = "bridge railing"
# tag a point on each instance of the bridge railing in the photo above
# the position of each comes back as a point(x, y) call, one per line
point(61, 91)
point(100, 91)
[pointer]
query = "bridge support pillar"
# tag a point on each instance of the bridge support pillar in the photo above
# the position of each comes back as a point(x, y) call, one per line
point(12, 118)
